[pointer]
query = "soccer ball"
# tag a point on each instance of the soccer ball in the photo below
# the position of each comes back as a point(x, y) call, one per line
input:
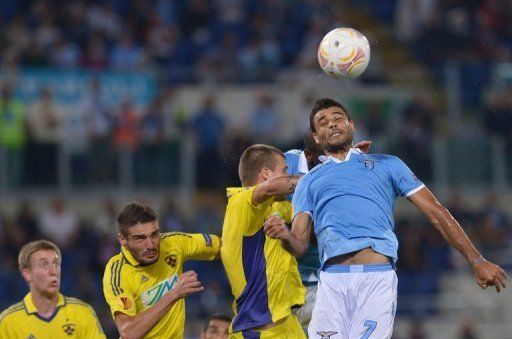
point(344, 52)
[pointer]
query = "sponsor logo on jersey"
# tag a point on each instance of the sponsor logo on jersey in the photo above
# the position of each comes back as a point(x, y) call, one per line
point(152, 295)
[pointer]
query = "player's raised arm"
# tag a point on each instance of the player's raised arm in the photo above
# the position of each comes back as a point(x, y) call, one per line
point(280, 185)
point(139, 325)
point(486, 273)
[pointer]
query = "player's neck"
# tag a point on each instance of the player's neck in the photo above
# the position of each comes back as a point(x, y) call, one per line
point(44, 303)
point(340, 155)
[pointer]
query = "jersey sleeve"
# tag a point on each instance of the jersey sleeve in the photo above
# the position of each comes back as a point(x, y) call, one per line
point(92, 324)
point(250, 215)
point(302, 201)
point(404, 180)
point(200, 246)
point(117, 293)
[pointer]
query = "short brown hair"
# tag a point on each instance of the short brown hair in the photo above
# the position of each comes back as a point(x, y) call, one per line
point(324, 103)
point(135, 213)
point(32, 247)
point(254, 159)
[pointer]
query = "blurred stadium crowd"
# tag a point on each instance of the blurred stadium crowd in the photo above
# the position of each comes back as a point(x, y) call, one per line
point(240, 42)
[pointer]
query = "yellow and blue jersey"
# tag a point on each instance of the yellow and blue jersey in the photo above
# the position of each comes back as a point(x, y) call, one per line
point(72, 319)
point(264, 278)
point(131, 288)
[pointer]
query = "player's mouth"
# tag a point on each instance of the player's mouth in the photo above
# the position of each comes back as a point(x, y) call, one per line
point(336, 133)
point(150, 254)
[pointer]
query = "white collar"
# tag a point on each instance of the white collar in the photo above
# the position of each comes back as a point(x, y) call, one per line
point(303, 163)
point(325, 158)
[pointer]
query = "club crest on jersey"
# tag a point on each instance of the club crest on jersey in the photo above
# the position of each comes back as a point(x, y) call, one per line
point(326, 334)
point(69, 329)
point(152, 295)
point(171, 260)
point(369, 164)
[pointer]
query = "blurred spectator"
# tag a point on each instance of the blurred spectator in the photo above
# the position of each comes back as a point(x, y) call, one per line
point(44, 120)
point(416, 330)
point(151, 156)
point(497, 115)
point(105, 219)
point(99, 121)
point(12, 135)
point(415, 137)
point(208, 126)
point(126, 129)
point(27, 220)
point(264, 124)
point(126, 55)
point(171, 221)
point(59, 223)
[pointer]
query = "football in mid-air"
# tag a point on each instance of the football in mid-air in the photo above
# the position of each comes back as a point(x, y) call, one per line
point(344, 53)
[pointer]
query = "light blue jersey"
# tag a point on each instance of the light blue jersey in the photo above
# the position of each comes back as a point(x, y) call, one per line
point(309, 263)
point(351, 202)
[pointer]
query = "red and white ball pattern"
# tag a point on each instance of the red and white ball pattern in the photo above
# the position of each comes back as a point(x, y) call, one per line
point(344, 52)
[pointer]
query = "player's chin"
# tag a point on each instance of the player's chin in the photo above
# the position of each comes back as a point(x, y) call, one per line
point(149, 261)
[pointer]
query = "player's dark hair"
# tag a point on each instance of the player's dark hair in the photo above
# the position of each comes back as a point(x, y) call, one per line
point(254, 159)
point(222, 317)
point(310, 143)
point(135, 213)
point(324, 103)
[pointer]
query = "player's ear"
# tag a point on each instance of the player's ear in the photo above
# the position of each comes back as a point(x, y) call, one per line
point(352, 124)
point(25, 272)
point(122, 239)
point(315, 136)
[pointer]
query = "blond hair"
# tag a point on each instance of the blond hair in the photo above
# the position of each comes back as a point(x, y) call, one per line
point(32, 247)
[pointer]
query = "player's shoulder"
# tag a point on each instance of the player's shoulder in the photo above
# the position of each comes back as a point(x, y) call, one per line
point(293, 153)
point(383, 158)
point(116, 260)
point(77, 303)
point(11, 311)
point(169, 236)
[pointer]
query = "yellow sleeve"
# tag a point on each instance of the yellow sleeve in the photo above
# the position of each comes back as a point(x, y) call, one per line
point(255, 216)
point(4, 329)
point(284, 209)
point(92, 324)
point(197, 246)
point(117, 292)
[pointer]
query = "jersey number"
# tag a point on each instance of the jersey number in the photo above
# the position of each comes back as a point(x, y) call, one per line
point(371, 327)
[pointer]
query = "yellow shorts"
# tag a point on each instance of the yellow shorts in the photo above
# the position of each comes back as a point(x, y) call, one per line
point(289, 329)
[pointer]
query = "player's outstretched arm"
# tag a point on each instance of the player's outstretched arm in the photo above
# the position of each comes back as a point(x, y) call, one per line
point(486, 273)
point(139, 325)
point(280, 185)
point(295, 241)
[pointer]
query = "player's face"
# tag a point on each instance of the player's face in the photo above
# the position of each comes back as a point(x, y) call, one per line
point(217, 329)
point(143, 242)
point(43, 275)
point(334, 130)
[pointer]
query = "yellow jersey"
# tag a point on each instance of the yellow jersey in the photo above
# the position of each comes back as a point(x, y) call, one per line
point(72, 319)
point(131, 288)
point(264, 277)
